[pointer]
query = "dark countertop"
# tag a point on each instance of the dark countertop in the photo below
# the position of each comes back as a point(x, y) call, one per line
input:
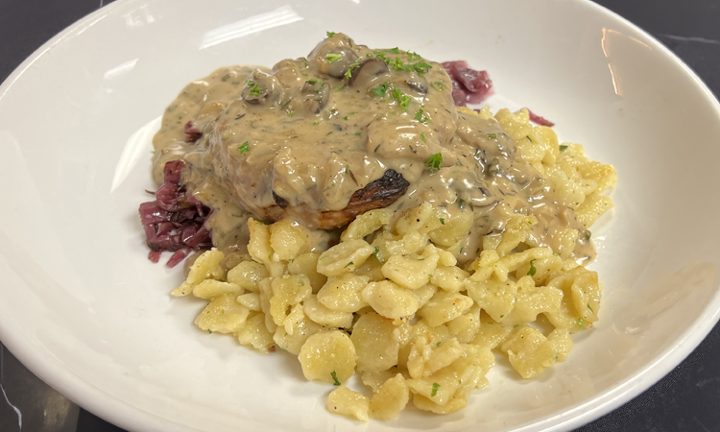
point(687, 399)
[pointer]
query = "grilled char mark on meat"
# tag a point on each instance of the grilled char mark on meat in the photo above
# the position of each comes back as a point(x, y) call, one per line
point(377, 194)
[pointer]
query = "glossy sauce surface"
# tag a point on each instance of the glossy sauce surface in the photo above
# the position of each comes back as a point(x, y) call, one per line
point(311, 132)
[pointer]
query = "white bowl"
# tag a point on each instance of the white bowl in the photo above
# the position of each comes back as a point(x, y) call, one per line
point(84, 309)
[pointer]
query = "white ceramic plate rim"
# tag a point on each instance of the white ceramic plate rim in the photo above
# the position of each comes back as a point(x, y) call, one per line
point(107, 406)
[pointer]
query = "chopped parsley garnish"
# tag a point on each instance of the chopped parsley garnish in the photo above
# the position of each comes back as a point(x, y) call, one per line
point(591, 309)
point(375, 252)
point(531, 141)
point(587, 234)
point(580, 323)
point(291, 113)
point(358, 133)
point(422, 135)
point(244, 148)
point(437, 85)
point(438, 344)
point(419, 116)
point(332, 58)
point(255, 89)
point(381, 89)
point(352, 67)
point(334, 377)
point(532, 270)
point(502, 316)
point(395, 50)
point(461, 203)
point(346, 118)
point(430, 277)
point(209, 331)
point(341, 88)
point(434, 162)
point(563, 147)
point(316, 123)
point(312, 80)
point(492, 136)
point(442, 221)
point(403, 100)
point(349, 264)
point(413, 56)
point(435, 388)
point(330, 34)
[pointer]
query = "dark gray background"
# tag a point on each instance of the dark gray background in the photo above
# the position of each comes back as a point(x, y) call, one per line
point(687, 399)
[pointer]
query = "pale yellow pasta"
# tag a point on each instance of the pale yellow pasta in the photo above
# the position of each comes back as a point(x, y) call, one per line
point(306, 264)
point(328, 357)
point(223, 315)
point(329, 318)
point(375, 343)
point(397, 300)
point(256, 335)
point(389, 300)
point(443, 307)
point(287, 291)
point(343, 293)
point(286, 240)
point(250, 300)
point(390, 399)
point(201, 269)
point(211, 288)
point(294, 340)
point(412, 272)
point(344, 257)
point(247, 274)
point(259, 246)
point(366, 224)
point(530, 353)
point(347, 402)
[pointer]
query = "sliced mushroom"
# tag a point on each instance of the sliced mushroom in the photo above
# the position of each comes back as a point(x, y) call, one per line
point(336, 66)
point(315, 94)
point(262, 88)
point(368, 72)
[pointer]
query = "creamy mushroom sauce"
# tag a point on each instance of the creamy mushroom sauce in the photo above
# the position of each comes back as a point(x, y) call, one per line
point(313, 136)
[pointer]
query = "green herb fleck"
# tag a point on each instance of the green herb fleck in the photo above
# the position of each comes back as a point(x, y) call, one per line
point(330, 34)
point(352, 67)
point(291, 113)
point(209, 331)
point(413, 56)
point(422, 135)
point(403, 100)
point(492, 136)
point(332, 58)
point(591, 309)
point(434, 162)
point(341, 88)
point(316, 123)
point(532, 270)
point(462, 249)
point(531, 141)
point(375, 252)
point(395, 50)
point(419, 116)
point(580, 323)
point(346, 118)
point(244, 148)
point(461, 203)
point(334, 377)
point(437, 85)
point(563, 147)
point(442, 221)
point(358, 133)
point(587, 234)
point(381, 89)
point(255, 89)
point(438, 344)
point(435, 388)
point(349, 264)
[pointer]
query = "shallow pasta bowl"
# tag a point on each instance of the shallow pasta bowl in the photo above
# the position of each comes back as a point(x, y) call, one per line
point(83, 308)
